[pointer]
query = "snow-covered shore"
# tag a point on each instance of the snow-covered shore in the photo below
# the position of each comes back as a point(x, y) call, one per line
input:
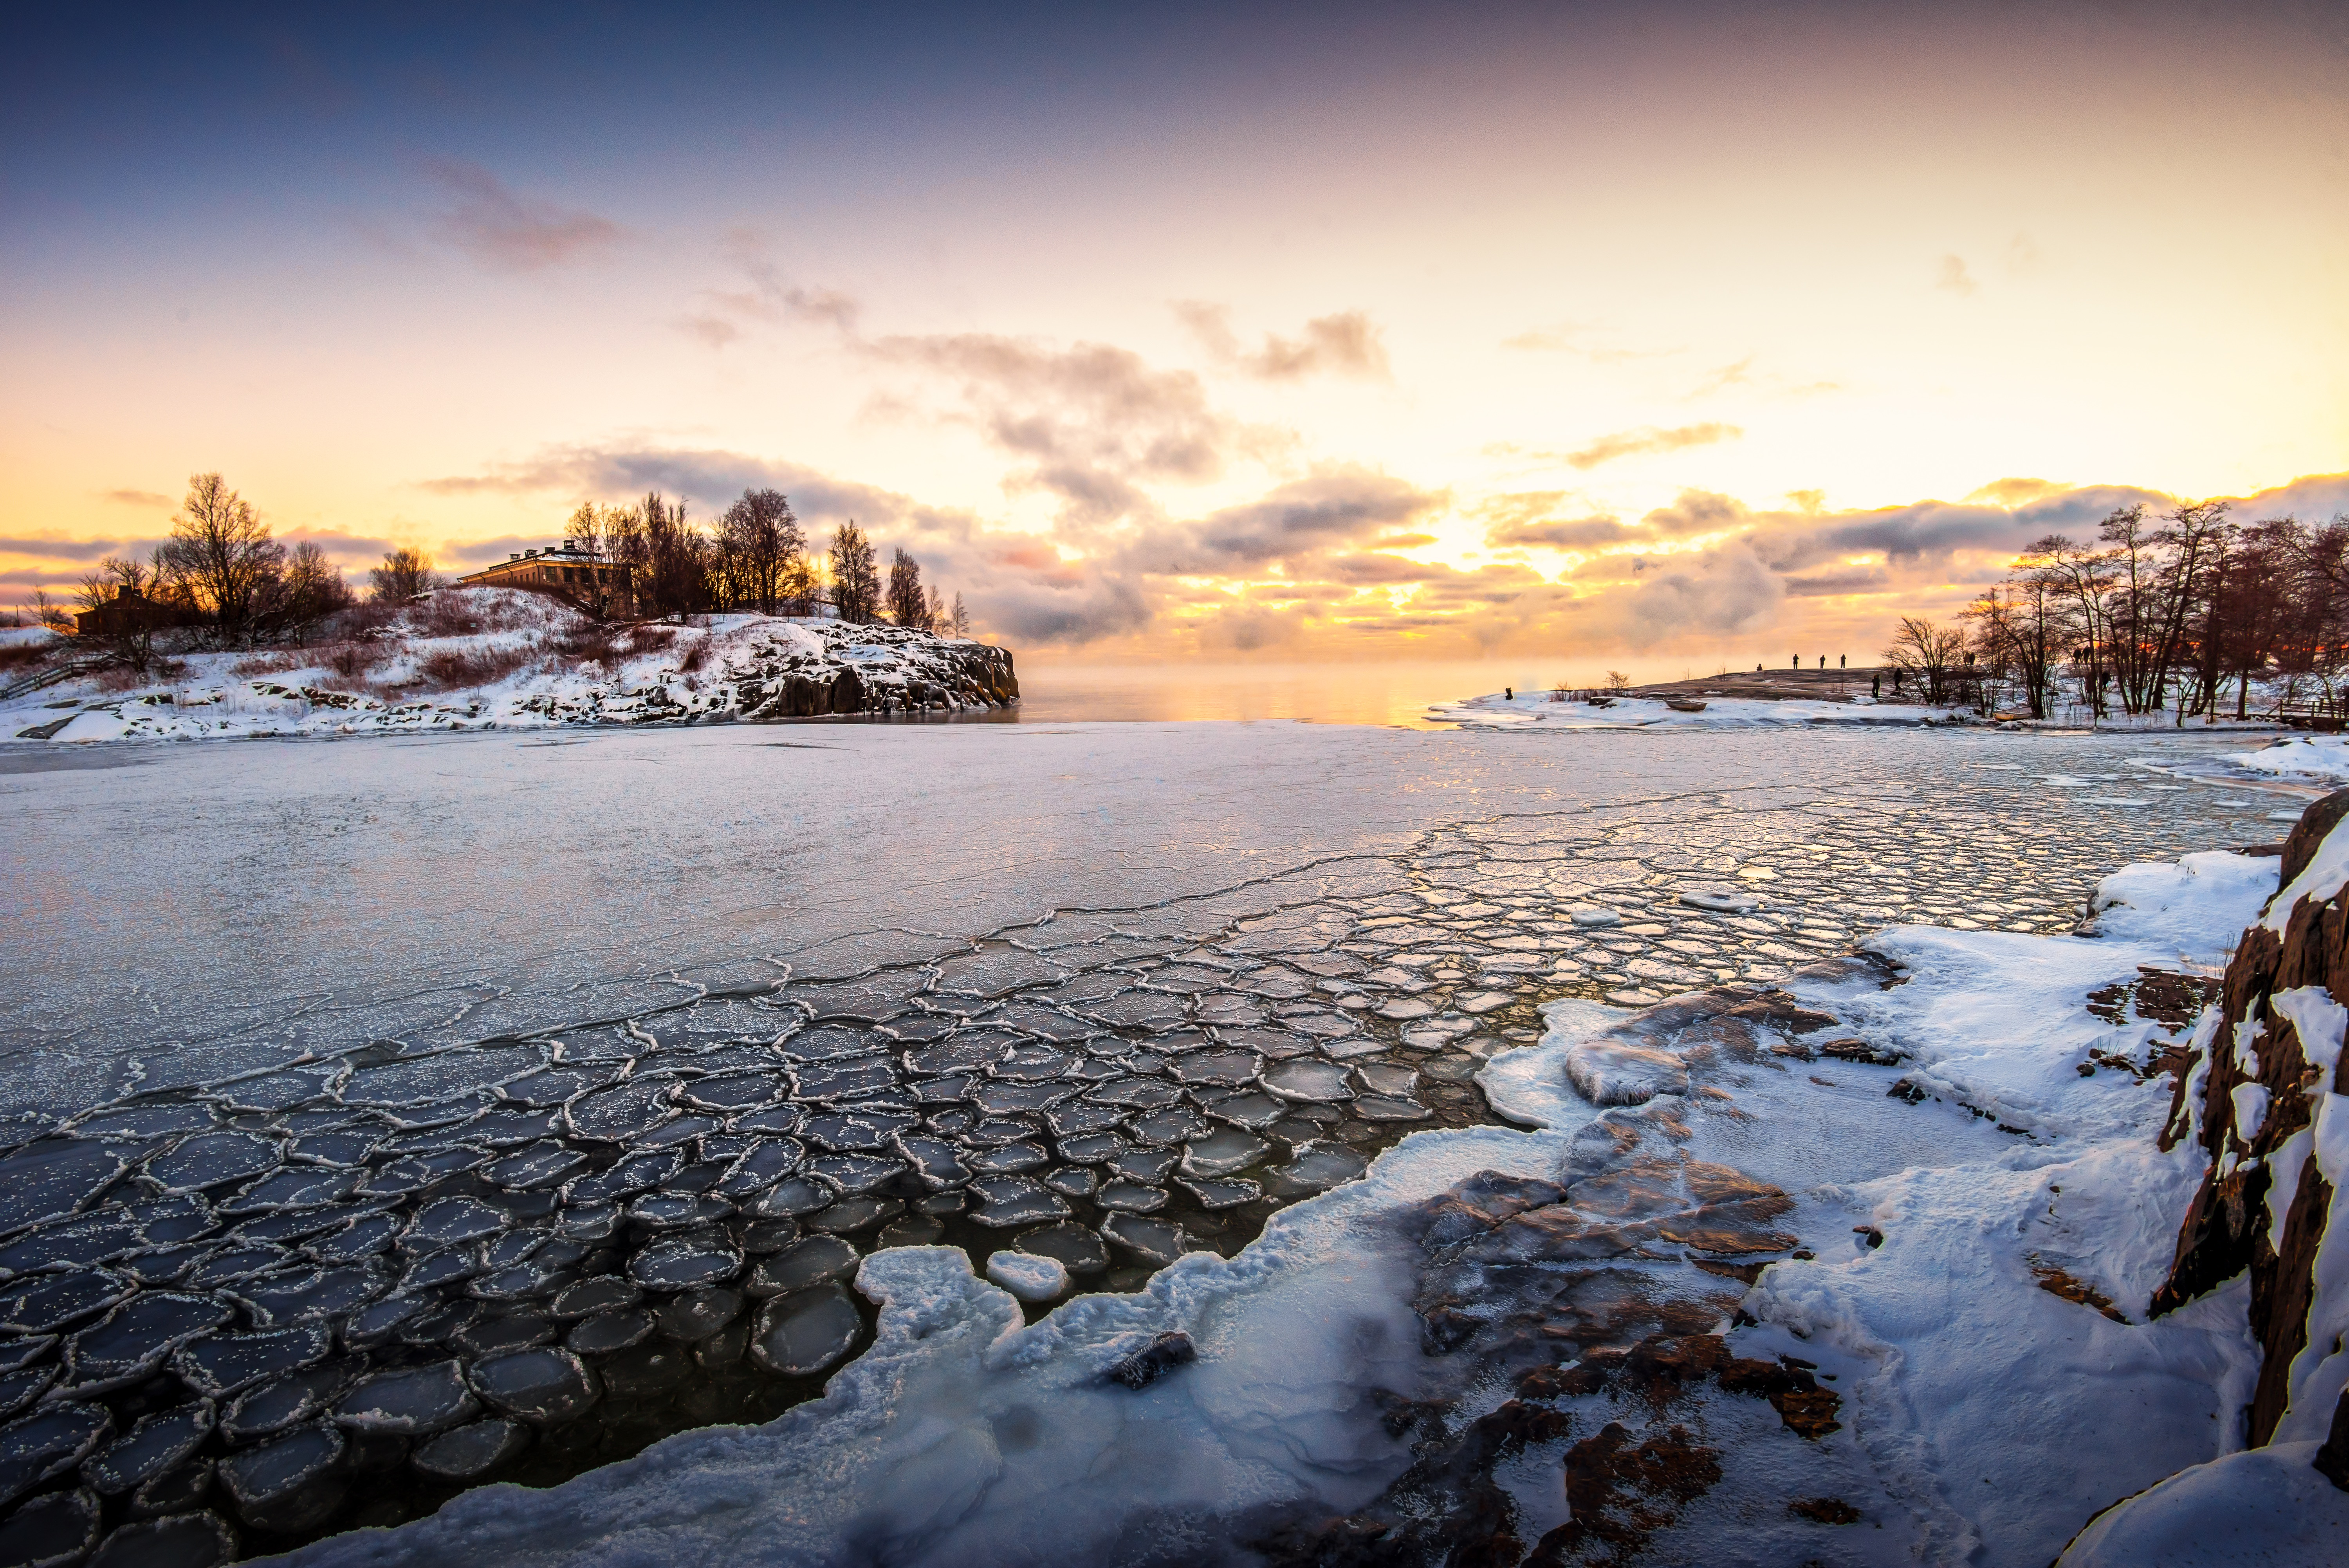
point(484, 659)
point(1540, 711)
point(1945, 1160)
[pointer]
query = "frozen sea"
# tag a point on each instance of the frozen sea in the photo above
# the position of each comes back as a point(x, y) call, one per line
point(356, 1045)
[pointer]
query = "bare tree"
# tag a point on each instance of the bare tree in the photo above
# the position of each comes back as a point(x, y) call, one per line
point(908, 605)
point(1922, 648)
point(405, 572)
point(674, 577)
point(856, 585)
point(306, 592)
point(760, 538)
point(52, 616)
point(803, 586)
point(115, 594)
point(959, 618)
point(222, 558)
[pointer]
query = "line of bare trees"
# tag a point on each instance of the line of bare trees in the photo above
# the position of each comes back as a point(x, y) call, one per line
point(755, 558)
point(221, 577)
point(2176, 612)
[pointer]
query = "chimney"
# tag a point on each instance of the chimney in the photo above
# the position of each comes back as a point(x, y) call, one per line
point(515, 556)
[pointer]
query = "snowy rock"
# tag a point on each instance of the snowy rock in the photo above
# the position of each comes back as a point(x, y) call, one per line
point(738, 667)
point(1611, 1070)
point(2270, 1105)
point(1027, 1276)
point(2268, 1506)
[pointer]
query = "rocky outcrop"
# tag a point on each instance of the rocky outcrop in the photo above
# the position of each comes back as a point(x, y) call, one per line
point(803, 669)
point(2267, 1101)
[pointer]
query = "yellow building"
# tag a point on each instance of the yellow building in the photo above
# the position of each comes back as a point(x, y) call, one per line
point(566, 569)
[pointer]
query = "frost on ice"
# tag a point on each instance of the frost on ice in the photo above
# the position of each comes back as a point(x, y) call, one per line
point(1864, 1277)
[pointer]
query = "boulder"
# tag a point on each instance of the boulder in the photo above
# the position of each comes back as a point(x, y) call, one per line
point(2272, 1112)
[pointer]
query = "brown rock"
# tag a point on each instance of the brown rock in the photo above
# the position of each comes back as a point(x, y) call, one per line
point(2226, 1230)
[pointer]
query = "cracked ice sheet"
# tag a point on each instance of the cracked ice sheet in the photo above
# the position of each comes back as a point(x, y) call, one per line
point(1985, 1418)
point(962, 1437)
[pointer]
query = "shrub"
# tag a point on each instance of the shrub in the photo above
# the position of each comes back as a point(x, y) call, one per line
point(451, 667)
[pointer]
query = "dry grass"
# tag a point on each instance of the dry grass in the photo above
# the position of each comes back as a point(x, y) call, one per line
point(453, 667)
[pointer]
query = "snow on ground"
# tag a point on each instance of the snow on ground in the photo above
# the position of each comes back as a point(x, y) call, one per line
point(1539, 711)
point(1983, 1416)
point(2298, 756)
point(481, 658)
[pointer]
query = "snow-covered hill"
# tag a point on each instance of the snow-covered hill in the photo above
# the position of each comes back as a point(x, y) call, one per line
point(505, 658)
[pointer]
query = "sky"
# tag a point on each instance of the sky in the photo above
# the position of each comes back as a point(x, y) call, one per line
point(1662, 331)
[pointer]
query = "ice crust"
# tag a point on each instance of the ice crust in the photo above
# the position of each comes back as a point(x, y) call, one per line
point(1987, 1418)
point(1535, 711)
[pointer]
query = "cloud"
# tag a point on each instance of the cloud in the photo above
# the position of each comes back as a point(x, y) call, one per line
point(1647, 439)
point(1568, 534)
point(139, 498)
point(1725, 591)
point(721, 316)
point(1954, 278)
point(1728, 376)
point(1828, 583)
point(343, 543)
point(51, 547)
point(504, 230)
point(1343, 344)
point(1094, 418)
point(1524, 519)
point(1696, 512)
point(1374, 567)
point(2013, 492)
point(1293, 521)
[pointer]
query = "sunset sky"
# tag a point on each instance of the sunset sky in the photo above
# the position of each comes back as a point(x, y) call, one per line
point(1346, 332)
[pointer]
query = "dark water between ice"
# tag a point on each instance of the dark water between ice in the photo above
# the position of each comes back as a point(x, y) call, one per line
point(337, 1293)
